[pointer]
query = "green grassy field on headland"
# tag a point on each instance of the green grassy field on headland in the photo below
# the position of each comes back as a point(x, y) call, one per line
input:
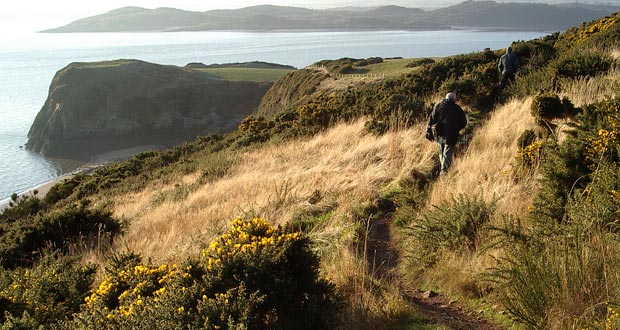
point(328, 213)
point(246, 74)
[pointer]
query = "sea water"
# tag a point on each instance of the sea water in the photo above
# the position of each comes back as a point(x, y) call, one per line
point(29, 61)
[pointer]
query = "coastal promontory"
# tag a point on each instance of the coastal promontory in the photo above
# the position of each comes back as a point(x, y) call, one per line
point(97, 107)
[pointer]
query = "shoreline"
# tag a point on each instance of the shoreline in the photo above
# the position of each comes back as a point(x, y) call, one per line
point(96, 162)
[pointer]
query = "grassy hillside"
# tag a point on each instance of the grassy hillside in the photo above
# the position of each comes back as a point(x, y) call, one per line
point(246, 74)
point(521, 234)
point(247, 71)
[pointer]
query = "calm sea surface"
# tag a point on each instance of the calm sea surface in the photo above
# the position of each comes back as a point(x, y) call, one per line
point(28, 63)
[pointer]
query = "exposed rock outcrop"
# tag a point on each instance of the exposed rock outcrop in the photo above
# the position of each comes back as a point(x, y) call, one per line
point(96, 107)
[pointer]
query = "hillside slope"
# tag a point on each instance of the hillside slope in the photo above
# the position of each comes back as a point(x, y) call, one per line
point(344, 165)
point(521, 233)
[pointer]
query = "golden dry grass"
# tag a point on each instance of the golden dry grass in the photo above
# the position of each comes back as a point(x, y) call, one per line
point(487, 168)
point(588, 90)
point(347, 165)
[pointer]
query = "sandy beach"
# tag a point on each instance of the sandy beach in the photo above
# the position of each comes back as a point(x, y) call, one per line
point(96, 162)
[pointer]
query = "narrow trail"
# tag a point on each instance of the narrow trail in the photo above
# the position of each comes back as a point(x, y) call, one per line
point(382, 260)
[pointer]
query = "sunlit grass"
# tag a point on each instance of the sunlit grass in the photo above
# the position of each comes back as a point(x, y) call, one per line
point(391, 68)
point(587, 90)
point(246, 74)
point(487, 168)
point(345, 164)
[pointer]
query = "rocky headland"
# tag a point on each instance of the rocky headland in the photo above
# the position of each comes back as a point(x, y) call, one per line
point(93, 108)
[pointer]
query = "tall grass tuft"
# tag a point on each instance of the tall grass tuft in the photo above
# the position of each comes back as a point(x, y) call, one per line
point(560, 280)
point(588, 90)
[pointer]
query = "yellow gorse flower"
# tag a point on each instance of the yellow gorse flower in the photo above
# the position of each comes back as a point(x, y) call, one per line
point(245, 236)
point(582, 33)
point(600, 144)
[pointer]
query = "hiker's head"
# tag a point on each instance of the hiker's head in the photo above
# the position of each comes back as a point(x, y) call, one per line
point(509, 49)
point(451, 97)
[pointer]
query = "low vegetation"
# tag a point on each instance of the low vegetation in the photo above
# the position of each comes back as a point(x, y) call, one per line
point(524, 228)
point(246, 74)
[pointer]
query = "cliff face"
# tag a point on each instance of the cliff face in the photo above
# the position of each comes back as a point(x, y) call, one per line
point(96, 107)
point(290, 91)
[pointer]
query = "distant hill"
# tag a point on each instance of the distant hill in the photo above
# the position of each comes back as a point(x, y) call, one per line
point(519, 15)
point(267, 17)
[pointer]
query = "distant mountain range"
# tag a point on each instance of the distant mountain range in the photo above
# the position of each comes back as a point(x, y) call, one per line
point(483, 14)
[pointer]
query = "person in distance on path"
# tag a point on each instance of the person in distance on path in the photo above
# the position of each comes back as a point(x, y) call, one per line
point(444, 125)
point(508, 65)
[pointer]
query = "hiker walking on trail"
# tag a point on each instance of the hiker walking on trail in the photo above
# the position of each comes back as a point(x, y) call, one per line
point(444, 124)
point(508, 65)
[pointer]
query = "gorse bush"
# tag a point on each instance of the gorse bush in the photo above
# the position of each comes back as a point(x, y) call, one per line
point(581, 64)
point(529, 156)
point(602, 33)
point(454, 225)
point(569, 167)
point(22, 240)
point(45, 294)
point(562, 269)
point(419, 62)
point(558, 275)
point(527, 137)
point(546, 107)
point(255, 276)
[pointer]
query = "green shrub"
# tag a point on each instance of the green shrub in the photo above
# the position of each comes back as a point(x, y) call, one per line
point(63, 189)
point(419, 62)
point(344, 69)
point(569, 167)
point(526, 138)
point(20, 207)
point(546, 107)
point(581, 64)
point(535, 54)
point(561, 271)
point(453, 225)
point(50, 292)
point(376, 127)
point(368, 61)
point(599, 201)
point(535, 82)
point(21, 241)
point(463, 87)
point(560, 277)
point(255, 276)
point(408, 197)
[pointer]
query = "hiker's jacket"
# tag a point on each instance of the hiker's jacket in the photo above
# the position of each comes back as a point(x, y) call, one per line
point(508, 63)
point(451, 119)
